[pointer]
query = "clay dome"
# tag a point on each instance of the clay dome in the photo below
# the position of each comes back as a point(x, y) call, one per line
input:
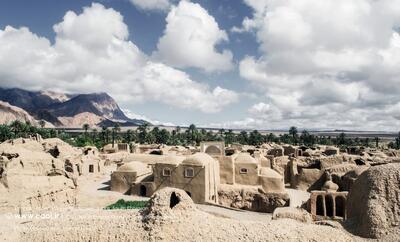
point(171, 159)
point(268, 172)
point(198, 159)
point(134, 166)
point(245, 158)
point(330, 186)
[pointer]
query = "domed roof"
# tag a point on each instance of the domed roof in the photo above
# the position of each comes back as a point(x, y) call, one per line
point(245, 158)
point(134, 166)
point(171, 159)
point(198, 159)
point(268, 172)
point(330, 186)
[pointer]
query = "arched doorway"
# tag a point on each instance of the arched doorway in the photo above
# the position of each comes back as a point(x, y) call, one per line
point(174, 200)
point(340, 203)
point(213, 150)
point(320, 206)
point(142, 191)
point(329, 205)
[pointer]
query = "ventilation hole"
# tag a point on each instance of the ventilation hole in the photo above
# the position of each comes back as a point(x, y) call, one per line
point(174, 200)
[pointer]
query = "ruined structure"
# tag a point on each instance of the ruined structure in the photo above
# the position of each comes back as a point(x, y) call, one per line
point(127, 178)
point(374, 202)
point(327, 204)
point(114, 148)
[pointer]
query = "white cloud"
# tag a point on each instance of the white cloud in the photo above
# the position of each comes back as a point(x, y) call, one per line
point(331, 63)
point(92, 53)
point(133, 115)
point(190, 39)
point(152, 5)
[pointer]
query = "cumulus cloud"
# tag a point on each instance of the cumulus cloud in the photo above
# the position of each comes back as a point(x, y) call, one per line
point(190, 39)
point(92, 53)
point(325, 63)
point(152, 5)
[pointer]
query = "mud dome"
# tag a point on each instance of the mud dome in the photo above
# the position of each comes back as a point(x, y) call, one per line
point(374, 202)
point(166, 204)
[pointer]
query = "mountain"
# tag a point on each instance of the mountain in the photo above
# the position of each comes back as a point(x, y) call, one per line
point(29, 101)
point(100, 104)
point(65, 110)
point(9, 113)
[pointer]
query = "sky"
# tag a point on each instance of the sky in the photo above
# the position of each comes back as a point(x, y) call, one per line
point(254, 64)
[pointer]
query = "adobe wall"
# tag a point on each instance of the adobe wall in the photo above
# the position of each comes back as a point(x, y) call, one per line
point(250, 178)
point(226, 170)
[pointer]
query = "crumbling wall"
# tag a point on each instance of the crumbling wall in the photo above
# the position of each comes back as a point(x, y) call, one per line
point(251, 198)
point(374, 202)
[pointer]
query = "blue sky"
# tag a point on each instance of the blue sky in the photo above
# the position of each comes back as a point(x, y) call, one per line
point(145, 28)
point(263, 64)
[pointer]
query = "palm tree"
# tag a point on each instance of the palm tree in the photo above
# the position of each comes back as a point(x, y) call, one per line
point(42, 123)
point(129, 136)
point(94, 135)
point(86, 128)
point(115, 130)
point(293, 132)
point(107, 135)
point(229, 137)
point(221, 132)
point(192, 132)
point(342, 138)
point(103, 134)
point(367, 142)
point(142, 132)
point(5, 133)
point(17, 128)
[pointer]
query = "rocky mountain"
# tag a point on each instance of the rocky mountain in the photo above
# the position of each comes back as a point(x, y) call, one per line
point(9, 113)
point(100, 104)
point(65, 110)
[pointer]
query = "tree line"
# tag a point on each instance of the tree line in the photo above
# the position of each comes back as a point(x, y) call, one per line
point(192, 135)
point(145, 134)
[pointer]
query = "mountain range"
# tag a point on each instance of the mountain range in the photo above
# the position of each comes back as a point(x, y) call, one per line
point(62, 110)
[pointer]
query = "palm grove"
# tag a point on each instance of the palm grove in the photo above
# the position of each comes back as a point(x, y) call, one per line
point(145, 134)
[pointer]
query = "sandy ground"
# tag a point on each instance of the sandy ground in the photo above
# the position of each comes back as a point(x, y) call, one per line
point(236, 214)
point(123, 225)
point(93, 191)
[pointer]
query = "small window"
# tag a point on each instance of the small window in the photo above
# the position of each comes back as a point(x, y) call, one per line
point(91, 169)
point(166, 172)
point(189, 172)
point(243, 171)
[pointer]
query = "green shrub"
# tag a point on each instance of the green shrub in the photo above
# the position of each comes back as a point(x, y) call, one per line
point(122, 204)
